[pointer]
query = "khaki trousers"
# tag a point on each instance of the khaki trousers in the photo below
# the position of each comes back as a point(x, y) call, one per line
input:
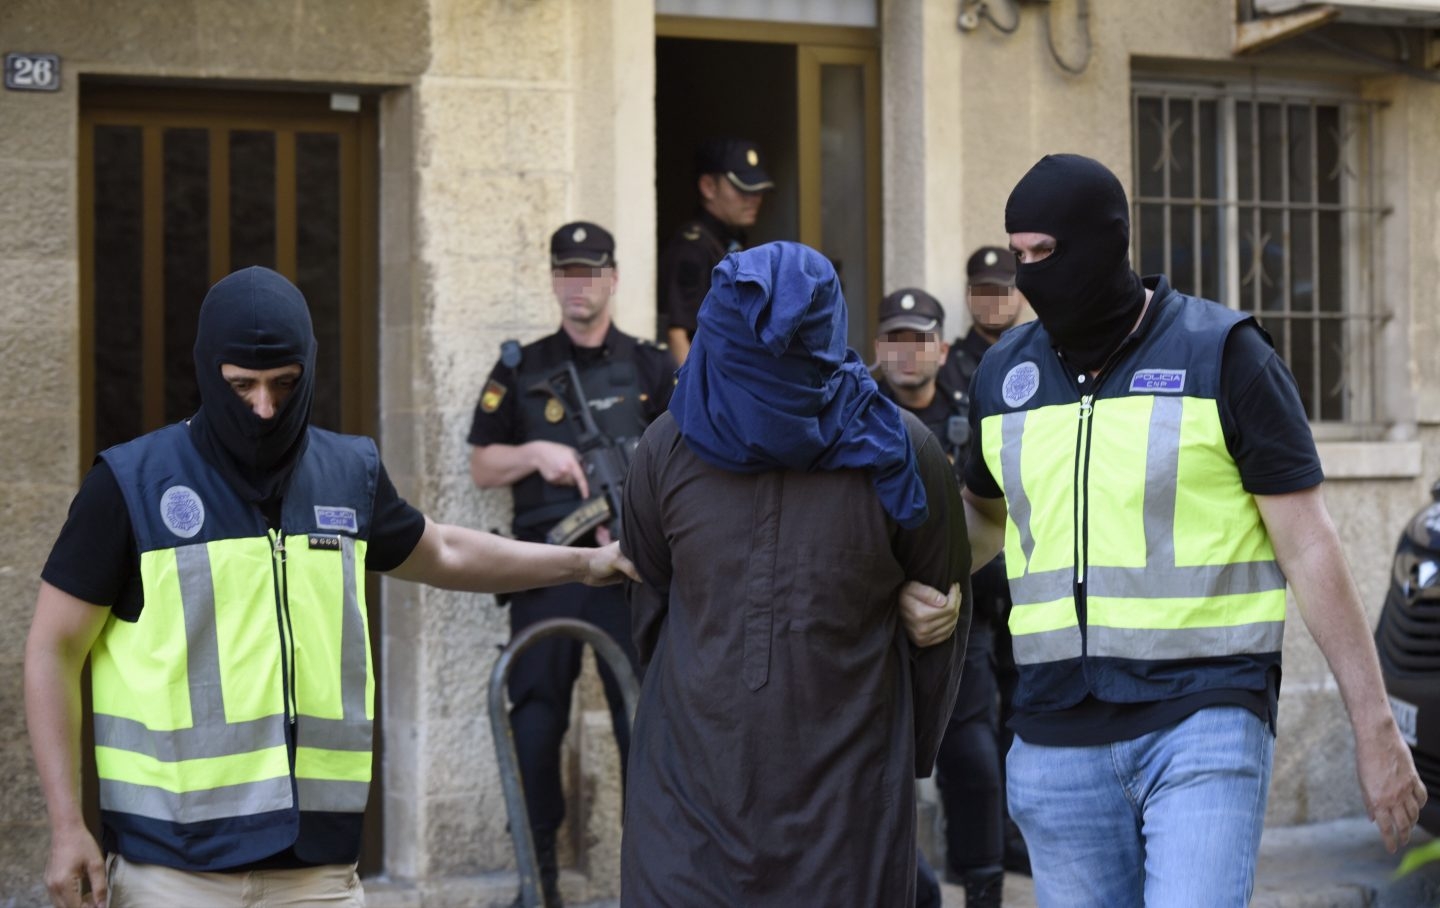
point(153, 886)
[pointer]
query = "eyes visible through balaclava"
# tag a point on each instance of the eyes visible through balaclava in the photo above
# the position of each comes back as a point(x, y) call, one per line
point(1085, 293)
point(257, 320)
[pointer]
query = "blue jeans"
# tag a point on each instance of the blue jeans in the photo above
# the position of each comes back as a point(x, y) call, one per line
point(1169, 819)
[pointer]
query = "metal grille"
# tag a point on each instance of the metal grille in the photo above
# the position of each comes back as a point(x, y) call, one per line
point(1409, 634)
point(1268, 202)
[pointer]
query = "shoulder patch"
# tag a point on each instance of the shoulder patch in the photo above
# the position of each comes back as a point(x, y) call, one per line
point(182, 511)
point(1020, 383)
point(494, 393)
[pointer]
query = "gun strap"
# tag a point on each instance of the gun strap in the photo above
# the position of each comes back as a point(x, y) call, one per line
point(580, 521)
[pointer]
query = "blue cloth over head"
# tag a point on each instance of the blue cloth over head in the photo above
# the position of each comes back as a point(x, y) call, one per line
point(769, 383)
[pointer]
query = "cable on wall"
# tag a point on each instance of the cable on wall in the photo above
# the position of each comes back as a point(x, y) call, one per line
point(1082, 18)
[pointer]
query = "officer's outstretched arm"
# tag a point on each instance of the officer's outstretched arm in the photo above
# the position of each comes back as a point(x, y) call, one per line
point(459, 558)
point(61, 634)
point(985, 523)
point(1308, 550)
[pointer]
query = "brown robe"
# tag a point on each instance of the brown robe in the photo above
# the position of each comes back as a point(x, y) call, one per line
point(784, 713)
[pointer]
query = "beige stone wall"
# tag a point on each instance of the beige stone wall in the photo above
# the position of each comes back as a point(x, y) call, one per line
point(529, 115)
point(39, 441)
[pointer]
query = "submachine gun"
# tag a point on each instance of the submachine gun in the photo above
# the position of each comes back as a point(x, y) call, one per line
point(605, 459)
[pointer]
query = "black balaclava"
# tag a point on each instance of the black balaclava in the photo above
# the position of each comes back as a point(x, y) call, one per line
point(255, 319)
point(1084, 293)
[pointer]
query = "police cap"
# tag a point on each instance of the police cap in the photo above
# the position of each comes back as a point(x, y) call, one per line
point(991, 265)
point(582, 243)
point(738, 159)
point(910, 309)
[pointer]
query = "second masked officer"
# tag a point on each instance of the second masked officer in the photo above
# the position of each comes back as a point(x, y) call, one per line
point(525, 435)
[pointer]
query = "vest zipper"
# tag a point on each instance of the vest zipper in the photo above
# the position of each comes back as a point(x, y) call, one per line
point(282, 617)
point(1082, 503)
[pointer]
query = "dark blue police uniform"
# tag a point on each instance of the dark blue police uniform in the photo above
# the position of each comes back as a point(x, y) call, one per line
point(628, 383)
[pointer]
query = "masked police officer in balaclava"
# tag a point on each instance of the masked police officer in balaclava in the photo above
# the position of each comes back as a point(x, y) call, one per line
point(1150, 455)
point(212, 572)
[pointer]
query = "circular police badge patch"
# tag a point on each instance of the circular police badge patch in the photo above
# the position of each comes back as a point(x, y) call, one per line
point(1020, 384)
point(182, 511)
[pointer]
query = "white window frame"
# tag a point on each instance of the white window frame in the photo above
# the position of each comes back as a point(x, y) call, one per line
point(1364, 305)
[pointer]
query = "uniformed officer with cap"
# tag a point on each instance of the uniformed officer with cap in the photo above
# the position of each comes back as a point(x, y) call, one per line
point(523, 437)
point(731, 181)
point(910, 350)
point(994, 304)
point(970, 791)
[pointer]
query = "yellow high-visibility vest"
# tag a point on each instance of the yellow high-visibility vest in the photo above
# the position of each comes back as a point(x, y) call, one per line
point(245, 632)
point(1129, 536)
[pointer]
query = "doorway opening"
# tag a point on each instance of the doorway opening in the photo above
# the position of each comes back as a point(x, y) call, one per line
point(808, 96)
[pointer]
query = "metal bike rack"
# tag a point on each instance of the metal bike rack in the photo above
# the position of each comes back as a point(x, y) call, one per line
point(504, 734)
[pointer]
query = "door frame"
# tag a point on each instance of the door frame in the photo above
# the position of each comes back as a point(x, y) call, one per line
point(815, 46)
point(809, 61)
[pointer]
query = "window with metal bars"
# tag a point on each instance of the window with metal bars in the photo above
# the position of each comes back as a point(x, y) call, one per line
point(1268, 201)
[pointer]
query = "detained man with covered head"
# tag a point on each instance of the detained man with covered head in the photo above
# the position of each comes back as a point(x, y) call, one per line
point(212, 573)
point(1149, 454)
point(776, 512)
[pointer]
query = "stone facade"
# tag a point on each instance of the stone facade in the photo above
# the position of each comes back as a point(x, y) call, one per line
point(500, 119)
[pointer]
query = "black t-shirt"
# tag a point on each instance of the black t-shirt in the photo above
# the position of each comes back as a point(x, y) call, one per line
point(936, 417)
point(964, 357)
point(497, 414)
point(96, 559)
point(686, 261)
point(1269, 438)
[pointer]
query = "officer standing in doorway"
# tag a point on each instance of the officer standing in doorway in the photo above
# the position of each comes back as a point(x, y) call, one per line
point(731, 182)
point(526, 434)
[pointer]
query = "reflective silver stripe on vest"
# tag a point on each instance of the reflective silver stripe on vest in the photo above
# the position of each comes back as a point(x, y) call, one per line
point(1206, 580)
point(189, 743)
point(209, 735)
point(328, 794)
point(202, 643)
point(1183, 643)
point(1162, 468)
point(353, 731)
point(247, 799)
point(1042, 586)
point(1012, 430)
point(1047, 646)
